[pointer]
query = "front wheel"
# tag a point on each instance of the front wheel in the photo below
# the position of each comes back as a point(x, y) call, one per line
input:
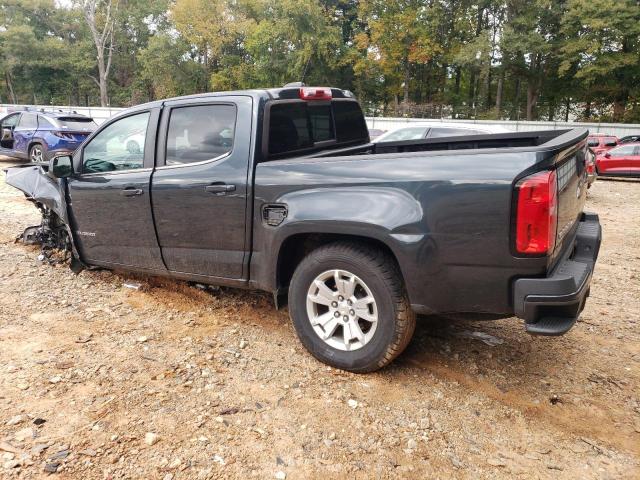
point(349, 307)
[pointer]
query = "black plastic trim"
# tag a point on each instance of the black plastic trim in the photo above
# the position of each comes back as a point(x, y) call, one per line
point(551, 305)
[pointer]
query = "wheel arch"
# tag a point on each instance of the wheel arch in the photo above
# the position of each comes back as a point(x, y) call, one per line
point(296, 246)
point(34, 142)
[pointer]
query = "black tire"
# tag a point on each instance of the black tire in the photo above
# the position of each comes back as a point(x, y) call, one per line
point(396, 320)
point(32, 150)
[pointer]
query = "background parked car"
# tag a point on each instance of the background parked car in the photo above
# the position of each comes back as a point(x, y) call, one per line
point(36, 136)
point(623, 160)
point(430, 130)
point(629, 139)
point(600, 142)
point(375, 133)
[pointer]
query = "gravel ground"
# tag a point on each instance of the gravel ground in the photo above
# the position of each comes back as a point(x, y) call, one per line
point(170, 381)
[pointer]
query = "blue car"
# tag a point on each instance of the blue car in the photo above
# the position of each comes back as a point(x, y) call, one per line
point(36, 136)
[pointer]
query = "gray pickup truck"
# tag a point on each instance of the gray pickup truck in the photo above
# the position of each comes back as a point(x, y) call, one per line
point(281, 190)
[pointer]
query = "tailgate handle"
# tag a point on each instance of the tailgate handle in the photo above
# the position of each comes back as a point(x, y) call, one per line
point(220, 188)
point(131, 192)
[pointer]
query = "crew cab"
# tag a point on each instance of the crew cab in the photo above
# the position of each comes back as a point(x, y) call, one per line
point(282, 190)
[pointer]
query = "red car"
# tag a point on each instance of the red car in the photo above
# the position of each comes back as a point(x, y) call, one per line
point(600, 143)
point(623, 160)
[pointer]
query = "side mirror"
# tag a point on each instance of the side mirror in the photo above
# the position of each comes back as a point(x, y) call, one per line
point(60, 166)
point(607, 155)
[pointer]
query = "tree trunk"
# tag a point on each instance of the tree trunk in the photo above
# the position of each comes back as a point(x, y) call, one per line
point(457, 87)
point(532, 99)
point(499, 93)
point(12, 95)
point(516, 102)
point(620, 106)
point(405, 98)
point(471, 97)
point(567, 107)
point(488, 89)
point(102, 80)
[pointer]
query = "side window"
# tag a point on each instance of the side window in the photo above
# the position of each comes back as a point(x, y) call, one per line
point(10, 121)
point(199, 133)
point(636, 152)
point(44, 123)
point(120, 146)
point(622, 151)
point(28, 120)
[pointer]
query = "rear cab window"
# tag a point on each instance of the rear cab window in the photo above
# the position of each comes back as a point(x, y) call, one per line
point(298, 126)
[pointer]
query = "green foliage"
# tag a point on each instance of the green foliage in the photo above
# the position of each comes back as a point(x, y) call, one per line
point(537, 59)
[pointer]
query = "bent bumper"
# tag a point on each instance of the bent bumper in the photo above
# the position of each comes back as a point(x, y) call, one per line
point(551, 305)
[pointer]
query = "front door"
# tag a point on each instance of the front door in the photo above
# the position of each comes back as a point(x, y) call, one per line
point(110, 197)
point(6, 133)
point(199, 188)
point(617, 160)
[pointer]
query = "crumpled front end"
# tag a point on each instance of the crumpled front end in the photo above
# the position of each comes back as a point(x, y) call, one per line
point(38, 186)
point(53, 234)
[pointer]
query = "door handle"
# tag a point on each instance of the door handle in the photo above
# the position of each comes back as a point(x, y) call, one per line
point(220, 188)
point(131, 192)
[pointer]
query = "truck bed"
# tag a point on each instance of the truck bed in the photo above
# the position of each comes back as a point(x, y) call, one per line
point(539, 141)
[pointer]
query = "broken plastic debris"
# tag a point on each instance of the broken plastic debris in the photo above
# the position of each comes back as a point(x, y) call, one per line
point(482, 336)
point(132, 285)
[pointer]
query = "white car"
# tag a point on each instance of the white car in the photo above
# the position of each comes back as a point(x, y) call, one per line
point(417, 131)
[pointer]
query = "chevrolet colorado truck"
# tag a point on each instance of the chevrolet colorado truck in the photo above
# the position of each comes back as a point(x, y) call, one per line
point(282, 190)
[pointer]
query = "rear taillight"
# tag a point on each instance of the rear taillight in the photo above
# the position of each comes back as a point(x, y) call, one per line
point(537, 213)
point(65, 135)
point(315, 93)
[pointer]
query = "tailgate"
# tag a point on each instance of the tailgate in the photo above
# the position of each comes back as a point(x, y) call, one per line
point(571, 174)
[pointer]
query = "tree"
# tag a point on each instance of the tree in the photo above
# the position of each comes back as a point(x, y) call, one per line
point(100, 17)
point(603, 49)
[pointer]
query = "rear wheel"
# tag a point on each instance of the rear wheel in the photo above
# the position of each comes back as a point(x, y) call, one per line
point(36, 153)
point(349, 307)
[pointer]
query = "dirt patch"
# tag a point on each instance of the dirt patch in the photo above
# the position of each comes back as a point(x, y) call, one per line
point(88, 367)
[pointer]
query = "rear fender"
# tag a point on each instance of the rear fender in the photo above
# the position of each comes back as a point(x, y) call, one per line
point(386, 214)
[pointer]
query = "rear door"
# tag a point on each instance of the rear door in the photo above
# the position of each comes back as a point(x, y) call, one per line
point(110, 195)
point(24, 132)
point(199, 187)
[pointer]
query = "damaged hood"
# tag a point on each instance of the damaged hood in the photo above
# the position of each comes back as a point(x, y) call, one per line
point(36, 184)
